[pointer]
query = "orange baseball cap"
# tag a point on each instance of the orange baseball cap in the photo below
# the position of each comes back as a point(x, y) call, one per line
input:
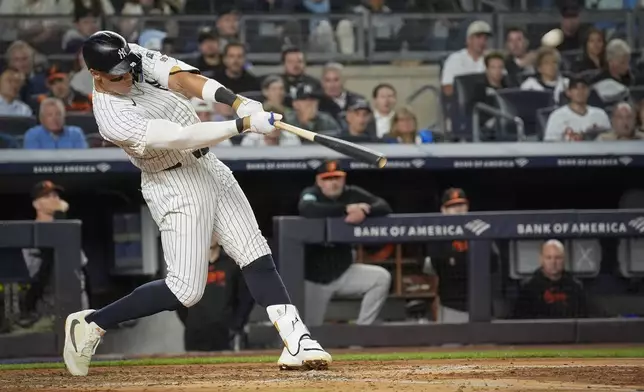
point(330, 169)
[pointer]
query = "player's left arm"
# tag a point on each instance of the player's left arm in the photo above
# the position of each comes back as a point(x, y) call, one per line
point(187, 80)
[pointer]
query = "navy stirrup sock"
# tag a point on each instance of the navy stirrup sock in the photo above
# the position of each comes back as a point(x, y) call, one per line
point(264, 283)
point(145, 300)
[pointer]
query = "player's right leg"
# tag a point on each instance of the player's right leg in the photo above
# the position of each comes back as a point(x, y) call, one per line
point(185, 223)
point(238, 232)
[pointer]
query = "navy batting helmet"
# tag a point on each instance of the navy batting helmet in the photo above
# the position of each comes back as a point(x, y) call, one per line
point(107, 51)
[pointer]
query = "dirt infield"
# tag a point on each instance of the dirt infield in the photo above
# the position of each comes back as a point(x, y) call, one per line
point(523, 375)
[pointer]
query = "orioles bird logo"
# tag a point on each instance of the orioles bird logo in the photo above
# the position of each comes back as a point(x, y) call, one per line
point(331, 166)
point(455, 195)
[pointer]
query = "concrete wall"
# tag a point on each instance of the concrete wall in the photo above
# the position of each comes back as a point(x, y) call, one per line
point(406, 79)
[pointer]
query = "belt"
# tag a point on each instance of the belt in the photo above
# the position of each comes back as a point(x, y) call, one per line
point(196, 153)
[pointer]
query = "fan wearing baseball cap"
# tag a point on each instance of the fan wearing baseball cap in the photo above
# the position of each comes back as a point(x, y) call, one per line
point(49, 206)
point(329, 270)
point(468, 60)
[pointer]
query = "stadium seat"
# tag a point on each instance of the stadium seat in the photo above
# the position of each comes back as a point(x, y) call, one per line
point(16, 126)
point(630, 257)
point(85, 121)
point(542, 120)
point(9, 141)
point(461, 104)
point(525, 105)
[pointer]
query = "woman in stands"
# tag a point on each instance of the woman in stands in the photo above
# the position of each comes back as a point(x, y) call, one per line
point(594, 56)
point(548, 77)
point(404, 129)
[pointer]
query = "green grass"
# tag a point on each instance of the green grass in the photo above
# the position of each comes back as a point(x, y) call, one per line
point(637, 352)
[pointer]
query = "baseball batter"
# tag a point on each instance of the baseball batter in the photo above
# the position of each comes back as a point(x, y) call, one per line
point(142, 104)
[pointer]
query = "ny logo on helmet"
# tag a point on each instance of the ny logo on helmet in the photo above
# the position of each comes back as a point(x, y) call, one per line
point(122, 53)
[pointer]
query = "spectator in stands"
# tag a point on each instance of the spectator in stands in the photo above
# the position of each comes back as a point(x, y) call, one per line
point(468, 60)
point(306, 114)
point(59, 87)
point(548, 77)
point(295, 73)
point(228, 27)
point(11, 80)
point(209, 62)
point(81, 79)
point(232, 74)
point(570, 25)
point(448, 261)
point(358, 117)
point(329, 271)
point(337, 97)
point(274, 94)
point(36, 31)
point(384, 105)
point(275, 138)
point(20, 56)
point(384, 25)
point(623, 125)
point(85, 24)
point(594, 56)
point(132, 28)
point(494, 80)
point(552, 292)
point(613, 83)
point(52, 133)
point(572, 121)
point(519, 62)
point(404, 129)
point(97, 7)
point(321, 37)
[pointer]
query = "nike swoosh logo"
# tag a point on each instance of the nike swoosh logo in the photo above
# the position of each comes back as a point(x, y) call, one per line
point(71, 331)
point(133, 103)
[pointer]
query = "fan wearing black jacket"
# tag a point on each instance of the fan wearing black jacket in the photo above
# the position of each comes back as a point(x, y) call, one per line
point(551, 292)
point(329, 269)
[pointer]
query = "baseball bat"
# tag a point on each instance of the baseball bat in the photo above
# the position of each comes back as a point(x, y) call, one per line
point(349, 149)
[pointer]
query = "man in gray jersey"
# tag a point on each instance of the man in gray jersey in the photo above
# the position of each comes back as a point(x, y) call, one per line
point(142, 104)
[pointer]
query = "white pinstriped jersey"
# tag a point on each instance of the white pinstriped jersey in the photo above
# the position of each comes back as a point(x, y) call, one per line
point(122, 119)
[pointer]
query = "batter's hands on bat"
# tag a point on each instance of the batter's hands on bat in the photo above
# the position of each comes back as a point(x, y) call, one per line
point(263, 122)
point(248, 106)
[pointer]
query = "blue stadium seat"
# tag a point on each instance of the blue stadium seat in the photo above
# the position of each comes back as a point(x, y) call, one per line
point(525, 105)
point(16, 126)
point(86, 122)
point(460, 112)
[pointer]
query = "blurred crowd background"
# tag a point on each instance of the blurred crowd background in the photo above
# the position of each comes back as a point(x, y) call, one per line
point(497, 82)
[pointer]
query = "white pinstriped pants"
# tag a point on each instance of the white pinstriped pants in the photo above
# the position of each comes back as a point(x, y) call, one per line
point(190, 204)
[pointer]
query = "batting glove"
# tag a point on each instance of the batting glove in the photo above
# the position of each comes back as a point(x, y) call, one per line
point(246, 106)
point(263, 122)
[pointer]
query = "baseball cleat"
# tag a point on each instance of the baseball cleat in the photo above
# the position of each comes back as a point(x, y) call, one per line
point(81, 340)
point(300, 351)
point(310, 356)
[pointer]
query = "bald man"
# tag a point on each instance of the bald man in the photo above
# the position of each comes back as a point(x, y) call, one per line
point(551, 292)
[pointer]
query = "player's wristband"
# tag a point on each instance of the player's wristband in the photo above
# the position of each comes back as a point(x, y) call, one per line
point(243, 124)
point(213, 91)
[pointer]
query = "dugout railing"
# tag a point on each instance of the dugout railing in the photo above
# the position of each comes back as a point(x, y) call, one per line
point(64, 238)
point(479, 229)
